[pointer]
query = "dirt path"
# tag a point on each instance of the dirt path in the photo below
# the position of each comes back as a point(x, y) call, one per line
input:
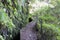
point(28, 33)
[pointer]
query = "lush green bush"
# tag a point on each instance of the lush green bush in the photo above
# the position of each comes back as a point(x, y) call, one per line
point(50, 17)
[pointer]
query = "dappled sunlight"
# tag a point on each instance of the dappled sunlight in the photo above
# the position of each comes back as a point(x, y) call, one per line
point(37, 5)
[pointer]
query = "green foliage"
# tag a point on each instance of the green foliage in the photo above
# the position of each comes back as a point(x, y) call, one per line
point(4, 19)
point(14, 15)
point(19, 15)
point(1, 38)
point(50, 17)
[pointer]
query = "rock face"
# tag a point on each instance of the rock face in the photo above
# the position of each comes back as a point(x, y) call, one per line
point(28, 33)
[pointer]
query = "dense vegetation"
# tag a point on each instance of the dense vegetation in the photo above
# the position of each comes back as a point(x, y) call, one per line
point(14, 15)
